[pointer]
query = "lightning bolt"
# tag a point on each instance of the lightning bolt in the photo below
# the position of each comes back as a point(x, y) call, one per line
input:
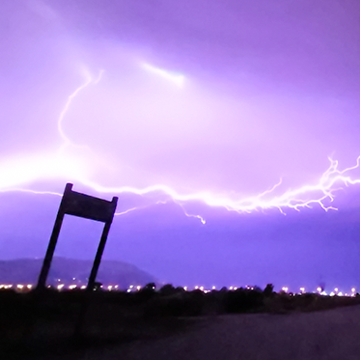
point(321, 193)
point(88, 80)
point(303, 197)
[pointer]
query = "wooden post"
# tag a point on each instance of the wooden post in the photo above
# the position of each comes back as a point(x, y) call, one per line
point(53, 240)
point(88, 207)
point(100, 249)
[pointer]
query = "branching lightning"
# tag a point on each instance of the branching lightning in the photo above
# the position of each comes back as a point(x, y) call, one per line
point(306, 196)
point(321, 193)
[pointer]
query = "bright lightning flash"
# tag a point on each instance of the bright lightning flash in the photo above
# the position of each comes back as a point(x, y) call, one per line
point(304, 197)
point(321, 193)
point(175, 78)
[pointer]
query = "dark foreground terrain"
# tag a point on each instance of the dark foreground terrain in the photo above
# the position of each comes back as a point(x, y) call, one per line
point(174, 324)
point(330, 335)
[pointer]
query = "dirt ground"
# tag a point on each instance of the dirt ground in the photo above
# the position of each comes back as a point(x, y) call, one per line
point(331, 334)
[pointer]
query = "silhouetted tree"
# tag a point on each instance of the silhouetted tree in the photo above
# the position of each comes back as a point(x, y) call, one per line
point(167, 289)
point(269, 290)
point(150, 286)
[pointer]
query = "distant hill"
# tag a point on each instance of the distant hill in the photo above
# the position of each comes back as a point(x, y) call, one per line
point(63, 271)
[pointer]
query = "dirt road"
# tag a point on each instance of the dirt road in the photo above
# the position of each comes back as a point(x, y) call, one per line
point(333, 334)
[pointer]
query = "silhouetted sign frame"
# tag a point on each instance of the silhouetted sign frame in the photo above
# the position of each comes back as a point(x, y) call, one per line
point(85, 206)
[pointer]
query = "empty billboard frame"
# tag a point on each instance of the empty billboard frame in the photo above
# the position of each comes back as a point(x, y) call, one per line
point(85, 206)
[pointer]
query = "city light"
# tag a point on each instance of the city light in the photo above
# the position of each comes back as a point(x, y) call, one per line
point(112, 287)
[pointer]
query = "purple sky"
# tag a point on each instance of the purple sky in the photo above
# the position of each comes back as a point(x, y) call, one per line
point(207, 102)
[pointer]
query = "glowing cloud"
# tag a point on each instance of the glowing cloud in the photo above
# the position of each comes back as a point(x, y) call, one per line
point(17, 172)
point(175, 78)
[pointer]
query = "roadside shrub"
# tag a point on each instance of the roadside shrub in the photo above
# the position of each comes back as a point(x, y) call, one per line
point(241, 300)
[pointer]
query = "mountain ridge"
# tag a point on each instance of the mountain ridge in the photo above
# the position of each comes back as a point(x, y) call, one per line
point(72, 271)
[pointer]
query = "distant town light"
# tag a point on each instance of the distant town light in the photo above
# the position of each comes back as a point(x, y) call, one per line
point(353, 290)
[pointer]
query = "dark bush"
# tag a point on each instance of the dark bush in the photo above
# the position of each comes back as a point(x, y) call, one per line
point(240, 300)
point(150, 286)
point(167, 290)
